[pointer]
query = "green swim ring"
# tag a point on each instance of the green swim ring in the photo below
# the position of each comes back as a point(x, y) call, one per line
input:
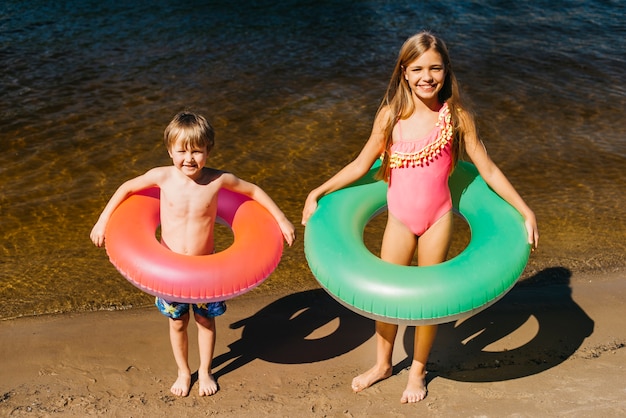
point(475, 279)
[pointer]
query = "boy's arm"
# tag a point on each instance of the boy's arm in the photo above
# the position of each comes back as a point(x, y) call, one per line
point(231, 182)
point(129, 187)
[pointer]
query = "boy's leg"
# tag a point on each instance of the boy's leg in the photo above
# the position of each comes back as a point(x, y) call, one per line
point(180, 347)
point(205, 314)
point(206, 346)
point(178, 314)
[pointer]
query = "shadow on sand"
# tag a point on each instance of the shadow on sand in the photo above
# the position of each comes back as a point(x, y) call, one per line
point(486, 348)
point(310, 326)
point(304, 327)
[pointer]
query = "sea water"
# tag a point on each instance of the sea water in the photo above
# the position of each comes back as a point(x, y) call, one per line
point(291, 88)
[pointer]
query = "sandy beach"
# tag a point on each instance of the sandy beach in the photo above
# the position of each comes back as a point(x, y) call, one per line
point(552, 349)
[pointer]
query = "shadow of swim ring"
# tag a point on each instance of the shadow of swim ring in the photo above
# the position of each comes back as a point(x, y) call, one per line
point(536, 327)
point(468, 283)
point(304, 327)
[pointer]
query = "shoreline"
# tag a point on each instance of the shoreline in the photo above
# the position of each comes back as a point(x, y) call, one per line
point(280, 284)
point(549, 347)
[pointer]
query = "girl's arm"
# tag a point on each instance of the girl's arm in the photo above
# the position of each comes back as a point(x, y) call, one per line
point(354, 170)
point(129, 187)
point(492, 175)
point(231, 182)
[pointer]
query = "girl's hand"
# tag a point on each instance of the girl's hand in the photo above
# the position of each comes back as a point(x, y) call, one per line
point(309, 208)
point(533, 231)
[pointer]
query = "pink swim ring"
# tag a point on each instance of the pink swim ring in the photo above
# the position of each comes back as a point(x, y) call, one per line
point(134, 250)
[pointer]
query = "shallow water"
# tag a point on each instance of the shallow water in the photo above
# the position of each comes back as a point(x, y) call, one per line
point(291, 88)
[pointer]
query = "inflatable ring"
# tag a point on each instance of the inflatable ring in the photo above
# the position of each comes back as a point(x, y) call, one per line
point(468, 283)
point(134, 250)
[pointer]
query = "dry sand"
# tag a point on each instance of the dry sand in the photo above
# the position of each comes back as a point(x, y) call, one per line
point(554, 346)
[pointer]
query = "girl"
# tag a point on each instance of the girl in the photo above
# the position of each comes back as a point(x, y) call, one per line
point(419, 130)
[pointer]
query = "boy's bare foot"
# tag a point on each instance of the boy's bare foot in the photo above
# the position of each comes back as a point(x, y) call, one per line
point(207, 384)
point(181, 385)
point(367, 379)
point(415, 389)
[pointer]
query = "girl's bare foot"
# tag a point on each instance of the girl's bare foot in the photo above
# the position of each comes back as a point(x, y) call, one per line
point(415, 389)
point(207, 384)
point(367, 379)
point(181, 385)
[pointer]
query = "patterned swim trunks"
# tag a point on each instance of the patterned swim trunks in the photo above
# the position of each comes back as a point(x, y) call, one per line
point(175, 310)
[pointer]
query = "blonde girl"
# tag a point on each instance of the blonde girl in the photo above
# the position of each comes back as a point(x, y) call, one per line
point(420, 129)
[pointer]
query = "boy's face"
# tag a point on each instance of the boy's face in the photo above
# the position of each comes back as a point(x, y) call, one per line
point(188, 160)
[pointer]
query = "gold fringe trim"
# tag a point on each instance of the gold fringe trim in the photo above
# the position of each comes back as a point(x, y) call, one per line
point(431, 151)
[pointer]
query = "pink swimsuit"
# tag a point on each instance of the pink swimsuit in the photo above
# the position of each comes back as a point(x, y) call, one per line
point(418, 193)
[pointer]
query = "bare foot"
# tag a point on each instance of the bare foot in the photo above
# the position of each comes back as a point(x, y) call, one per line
point(367, 379)
point(207, 384)
point(181, 385)
point(415, 389)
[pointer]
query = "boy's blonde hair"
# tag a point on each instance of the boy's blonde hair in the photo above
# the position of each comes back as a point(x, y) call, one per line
point(193, 129)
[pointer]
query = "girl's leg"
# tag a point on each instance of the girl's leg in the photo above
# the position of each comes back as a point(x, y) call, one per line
point(416, 386)
point(385, 337)
point(432, 249)
point(206, 346)
point(180, 347)
point(397, 247)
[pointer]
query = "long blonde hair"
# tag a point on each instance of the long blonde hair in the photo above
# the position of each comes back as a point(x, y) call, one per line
point(398, 102)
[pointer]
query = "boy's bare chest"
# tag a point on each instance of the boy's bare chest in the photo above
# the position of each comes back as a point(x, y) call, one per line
point(189, 200)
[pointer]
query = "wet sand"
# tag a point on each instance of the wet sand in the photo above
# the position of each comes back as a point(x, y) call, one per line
point(554, 346)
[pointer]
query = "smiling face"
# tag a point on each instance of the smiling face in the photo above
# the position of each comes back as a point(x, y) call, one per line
point(426, 76)
point(189, 138)
point(188, 159)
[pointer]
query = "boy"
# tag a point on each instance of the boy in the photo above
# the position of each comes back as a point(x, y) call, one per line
point(188, 205)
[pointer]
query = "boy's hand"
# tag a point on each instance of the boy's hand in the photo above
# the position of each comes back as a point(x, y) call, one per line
point(97, 234)
point(289, 232)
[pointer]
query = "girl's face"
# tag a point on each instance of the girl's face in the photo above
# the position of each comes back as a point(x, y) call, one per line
point(426, 76)
point(187, 159)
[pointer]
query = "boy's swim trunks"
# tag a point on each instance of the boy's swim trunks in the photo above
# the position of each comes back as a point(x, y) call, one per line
point(175, 310)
